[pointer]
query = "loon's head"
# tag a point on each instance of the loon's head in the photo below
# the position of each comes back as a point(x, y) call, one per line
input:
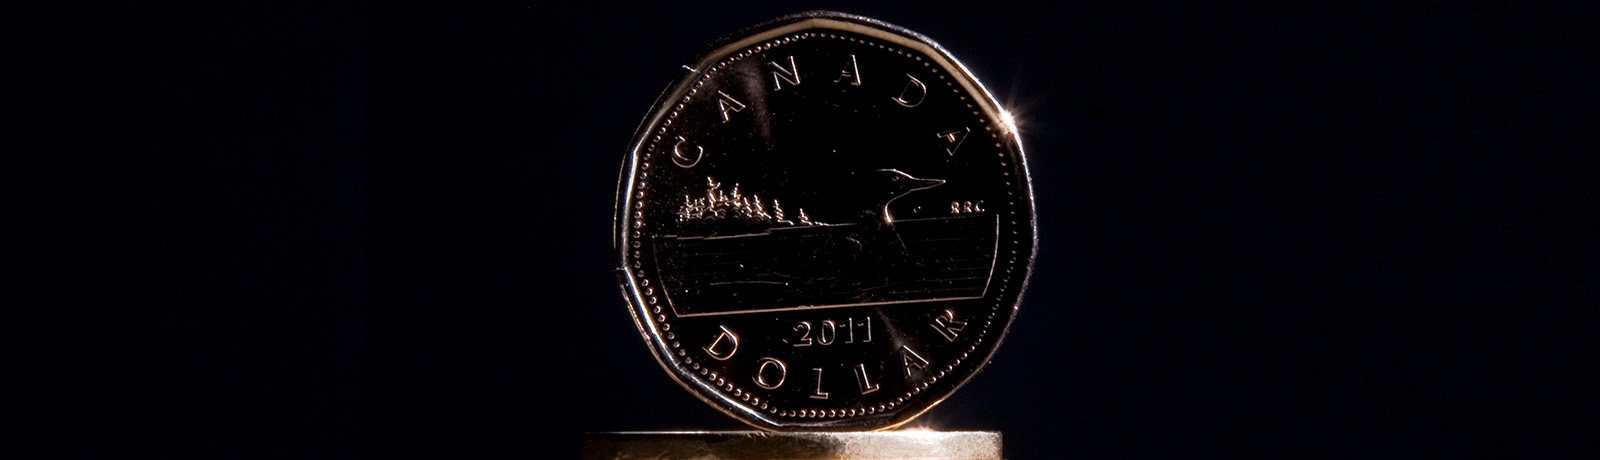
point(888, 185)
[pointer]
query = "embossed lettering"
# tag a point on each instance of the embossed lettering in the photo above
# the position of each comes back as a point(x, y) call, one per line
point(726, 103)
point(916, 96)
point(724, 345)
point(911, 360)
point(851, 72)
point(828, 332)
point(682, 156)
point(766, 368)
point(780, 74)
point(804, 328)
point(948, 326)
point(819, 394)
point(955, 137)
point(966, 207)
point(863, 381)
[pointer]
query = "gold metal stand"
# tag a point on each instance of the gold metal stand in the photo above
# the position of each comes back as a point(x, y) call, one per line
point(761, 445)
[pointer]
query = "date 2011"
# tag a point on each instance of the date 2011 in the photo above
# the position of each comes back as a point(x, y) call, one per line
point(827, 332)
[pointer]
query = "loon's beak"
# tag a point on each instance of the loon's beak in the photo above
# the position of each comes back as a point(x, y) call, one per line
point(924, 184)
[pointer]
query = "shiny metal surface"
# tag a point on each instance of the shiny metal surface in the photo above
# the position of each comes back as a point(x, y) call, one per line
point(758, 445)
point(826, 224)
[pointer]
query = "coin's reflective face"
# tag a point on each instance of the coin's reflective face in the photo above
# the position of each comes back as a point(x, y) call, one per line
point(826, 225)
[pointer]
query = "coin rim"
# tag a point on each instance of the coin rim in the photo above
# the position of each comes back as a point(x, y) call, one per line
point(718, 51)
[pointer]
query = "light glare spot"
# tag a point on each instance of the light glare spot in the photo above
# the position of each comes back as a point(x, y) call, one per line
point(1010, 121)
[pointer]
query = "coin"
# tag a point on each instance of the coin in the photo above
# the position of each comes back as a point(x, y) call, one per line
point(826, 224)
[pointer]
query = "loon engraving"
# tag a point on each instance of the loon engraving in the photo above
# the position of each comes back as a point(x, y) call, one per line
point(883, 186)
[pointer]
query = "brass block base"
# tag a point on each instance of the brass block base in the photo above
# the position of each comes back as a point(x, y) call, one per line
point(762, 445)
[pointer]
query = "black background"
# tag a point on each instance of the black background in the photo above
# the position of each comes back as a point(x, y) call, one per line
point(1354, 230)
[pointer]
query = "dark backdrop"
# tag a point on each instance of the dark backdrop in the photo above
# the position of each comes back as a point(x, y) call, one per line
point(1353, 230)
